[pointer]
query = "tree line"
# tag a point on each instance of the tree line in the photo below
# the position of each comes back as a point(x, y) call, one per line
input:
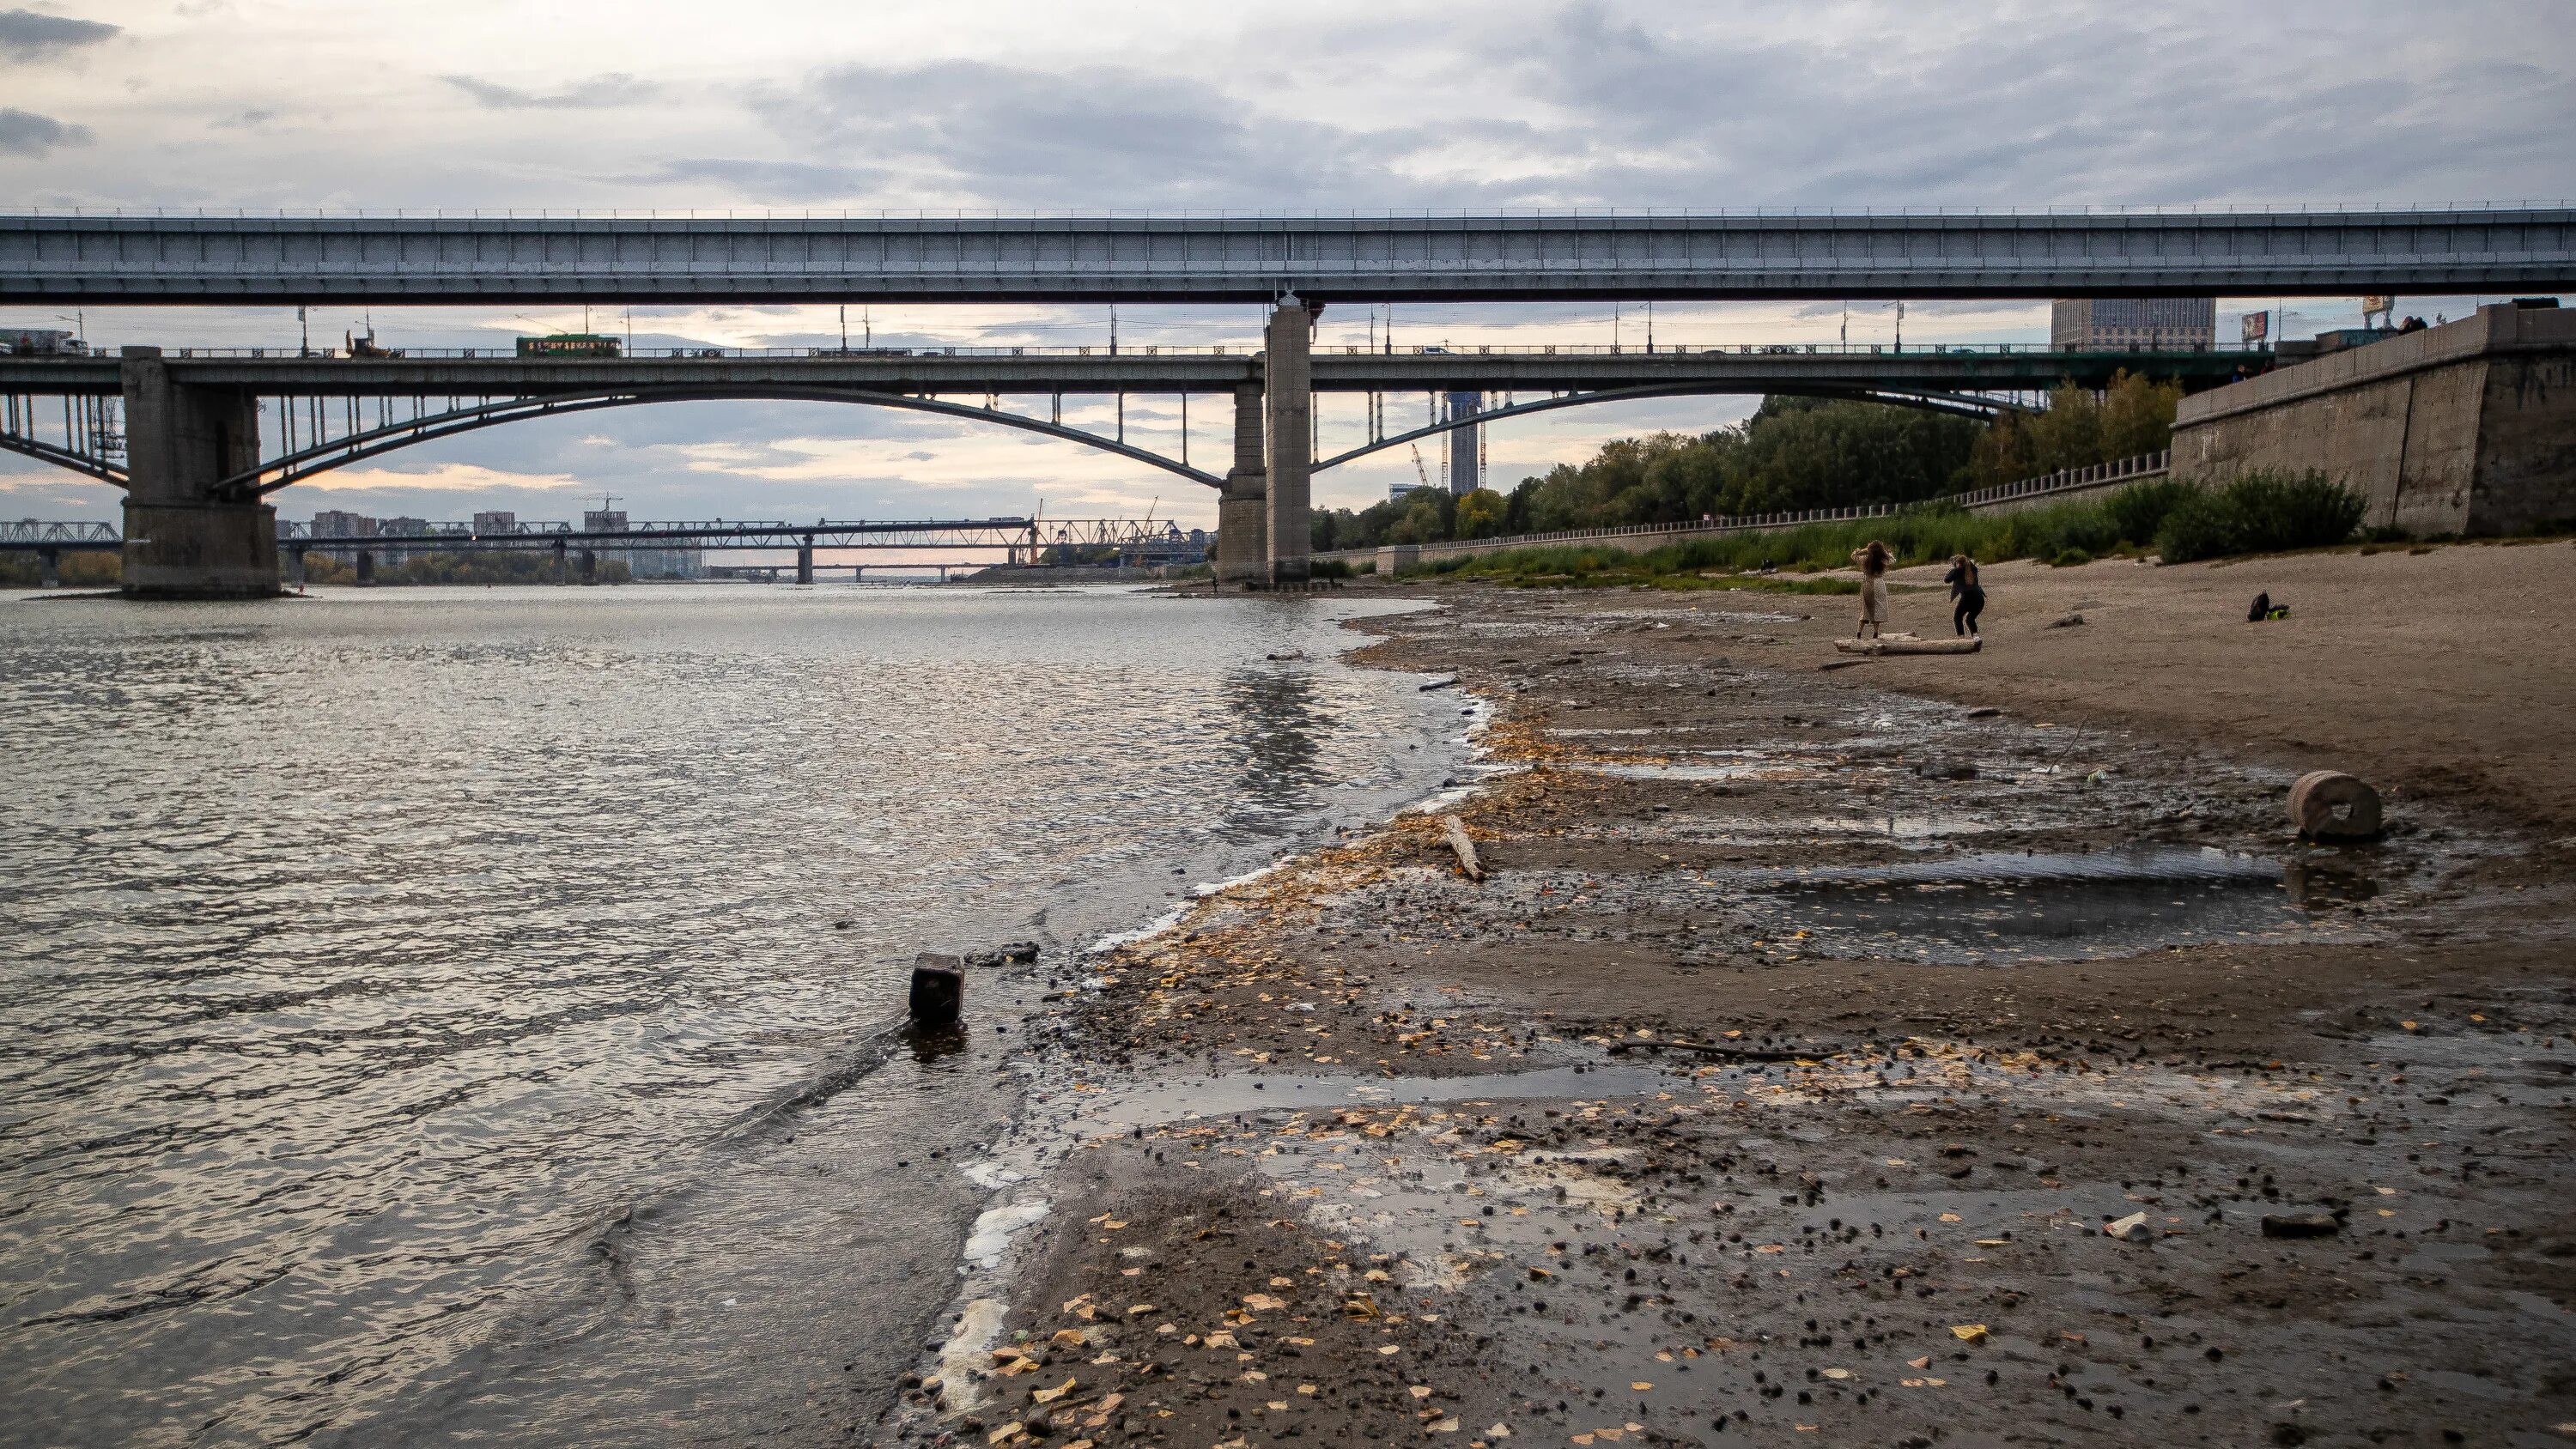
point(1793, 453)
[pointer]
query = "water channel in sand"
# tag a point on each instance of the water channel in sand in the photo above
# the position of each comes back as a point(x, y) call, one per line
point(399, 987)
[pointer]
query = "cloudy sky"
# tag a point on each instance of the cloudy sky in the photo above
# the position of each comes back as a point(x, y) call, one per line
point(767, 105)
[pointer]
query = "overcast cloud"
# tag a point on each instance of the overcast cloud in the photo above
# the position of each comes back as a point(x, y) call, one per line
point(1012, 104)
point(26, 35)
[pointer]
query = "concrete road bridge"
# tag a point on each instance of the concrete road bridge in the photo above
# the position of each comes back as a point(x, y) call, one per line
point(1019, 540)
point(183, 435)
point(222, 429)
point(94, 258)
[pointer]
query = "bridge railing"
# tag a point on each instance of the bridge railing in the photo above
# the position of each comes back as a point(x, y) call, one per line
point(1354, 349)
point(1193, 213)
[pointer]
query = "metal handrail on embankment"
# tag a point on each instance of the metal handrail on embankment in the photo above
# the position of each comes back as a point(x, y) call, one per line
point(2064, 480)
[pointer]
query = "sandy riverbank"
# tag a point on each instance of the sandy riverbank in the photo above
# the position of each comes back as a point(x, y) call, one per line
point(1882, 1010)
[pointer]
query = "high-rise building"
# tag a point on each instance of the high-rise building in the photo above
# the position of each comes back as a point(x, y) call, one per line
point(402, 528)
point(1466, 449)
point(339, 523)
point(496, 520)
point(2125, 324)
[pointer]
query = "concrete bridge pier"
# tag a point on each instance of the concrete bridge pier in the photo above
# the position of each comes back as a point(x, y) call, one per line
point(563, 570)
point(183, 539)
point(805, 560)
point(589, 566)
point(1288, 377)
point(49, 568)
point(1243, 510)
point(366, 566)
point(295, 569)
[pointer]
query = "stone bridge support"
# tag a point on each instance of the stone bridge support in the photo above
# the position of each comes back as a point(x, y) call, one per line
point(182, 539)
point(805, 560)
point(1288, 377)
point(49, 568)
point(1243, 511)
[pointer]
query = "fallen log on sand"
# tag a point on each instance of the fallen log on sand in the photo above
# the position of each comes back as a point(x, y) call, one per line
point(1908, 644)
point(1454, 830)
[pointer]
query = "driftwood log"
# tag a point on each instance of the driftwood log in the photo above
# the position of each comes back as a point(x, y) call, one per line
point(1454, 831)
point(1908, 644)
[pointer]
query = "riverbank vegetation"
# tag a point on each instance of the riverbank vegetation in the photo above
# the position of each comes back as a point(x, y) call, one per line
point(2259, 513)
point(87, 569)
point(496, 566)
point(1793, 453)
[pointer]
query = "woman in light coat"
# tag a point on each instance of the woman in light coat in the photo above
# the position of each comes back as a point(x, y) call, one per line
point(1873, 562)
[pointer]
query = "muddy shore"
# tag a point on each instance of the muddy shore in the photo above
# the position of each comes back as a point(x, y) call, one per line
point(1954, 1051)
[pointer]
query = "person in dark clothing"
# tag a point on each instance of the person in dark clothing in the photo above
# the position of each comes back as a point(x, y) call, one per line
point(1968, 595)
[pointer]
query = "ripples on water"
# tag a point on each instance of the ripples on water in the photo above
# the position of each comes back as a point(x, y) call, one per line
point(390, 978)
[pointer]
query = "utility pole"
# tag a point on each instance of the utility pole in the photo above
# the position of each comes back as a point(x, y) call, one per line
point(845, 326)
point(1900, 327)
point(1113, 329)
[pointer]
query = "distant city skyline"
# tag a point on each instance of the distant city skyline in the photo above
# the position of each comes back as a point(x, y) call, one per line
point(266, 104)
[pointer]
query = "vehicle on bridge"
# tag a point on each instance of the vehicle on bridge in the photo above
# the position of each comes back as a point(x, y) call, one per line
point(42, 342)
point(570, 344)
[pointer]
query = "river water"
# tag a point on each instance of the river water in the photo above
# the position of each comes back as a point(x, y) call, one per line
point(432, 1016)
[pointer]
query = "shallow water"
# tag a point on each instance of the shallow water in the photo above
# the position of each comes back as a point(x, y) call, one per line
point(438, 1013)
point(2007, 905)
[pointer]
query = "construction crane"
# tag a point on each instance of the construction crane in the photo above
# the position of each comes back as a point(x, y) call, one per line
point(1418, 470)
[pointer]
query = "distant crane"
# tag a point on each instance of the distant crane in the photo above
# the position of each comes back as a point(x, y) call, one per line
point(1418, 470)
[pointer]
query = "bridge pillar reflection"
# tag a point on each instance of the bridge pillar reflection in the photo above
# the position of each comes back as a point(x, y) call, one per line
point(1243, 510)
point(182, 538)
point(1288, 377)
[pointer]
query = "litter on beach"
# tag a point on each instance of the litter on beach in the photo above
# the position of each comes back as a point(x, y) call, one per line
point(1908, 644)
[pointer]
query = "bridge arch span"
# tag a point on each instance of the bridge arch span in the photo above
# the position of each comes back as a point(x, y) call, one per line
point(1963, 405)
point(392, 437)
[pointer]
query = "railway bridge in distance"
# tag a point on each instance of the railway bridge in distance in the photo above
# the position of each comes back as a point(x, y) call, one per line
point(188, 429)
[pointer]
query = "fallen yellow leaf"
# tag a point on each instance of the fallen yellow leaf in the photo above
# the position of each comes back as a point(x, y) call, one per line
point(1968, 1332)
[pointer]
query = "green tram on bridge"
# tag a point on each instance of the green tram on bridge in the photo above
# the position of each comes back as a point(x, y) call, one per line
point(570, 344)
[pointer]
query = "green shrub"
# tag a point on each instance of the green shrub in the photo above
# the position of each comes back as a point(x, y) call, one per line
point(2201, 526)
point(2276, 511)
point(2070, 559)
point(2261, 512)
point(2138, 511)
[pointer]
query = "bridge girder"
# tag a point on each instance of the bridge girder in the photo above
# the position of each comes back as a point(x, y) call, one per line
point(236, 260)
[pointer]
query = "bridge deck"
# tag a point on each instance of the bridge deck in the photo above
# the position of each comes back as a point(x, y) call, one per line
point(1742, 369)
point(60, 260)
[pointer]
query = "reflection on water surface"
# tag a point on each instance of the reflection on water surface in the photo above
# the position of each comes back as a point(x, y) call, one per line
point(394, 982)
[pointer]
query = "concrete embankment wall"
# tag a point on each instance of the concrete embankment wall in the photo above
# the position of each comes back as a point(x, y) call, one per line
point(2464, 428)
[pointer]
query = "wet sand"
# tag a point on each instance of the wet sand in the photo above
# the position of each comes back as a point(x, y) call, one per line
point(1788, 1076)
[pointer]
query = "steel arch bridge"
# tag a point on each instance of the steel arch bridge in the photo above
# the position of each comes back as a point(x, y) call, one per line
point(319, 438)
